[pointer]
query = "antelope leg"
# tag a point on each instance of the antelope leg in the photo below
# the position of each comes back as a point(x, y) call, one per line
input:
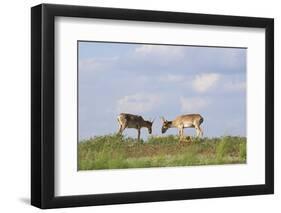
point(138, 134)
point(120, 129)
point(201, 131)
point(197, 131)
point(181, 132)
point(123, 127)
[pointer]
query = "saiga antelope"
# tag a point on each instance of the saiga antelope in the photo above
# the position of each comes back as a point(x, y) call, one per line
point(133, 121)
point(184, 121)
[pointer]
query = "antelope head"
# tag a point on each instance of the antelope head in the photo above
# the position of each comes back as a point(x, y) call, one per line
point(149, 125)
point(165, 125)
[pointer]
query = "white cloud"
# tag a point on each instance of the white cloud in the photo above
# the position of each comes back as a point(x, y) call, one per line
point(161, 52)
point(204, 82)
point(193, 105)
point(138, 103)
point(96, 64)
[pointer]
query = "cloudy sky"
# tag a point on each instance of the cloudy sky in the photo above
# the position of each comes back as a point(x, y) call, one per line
point(161, 80)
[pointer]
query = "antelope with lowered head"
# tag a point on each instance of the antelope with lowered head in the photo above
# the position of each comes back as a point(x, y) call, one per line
point(184, 121)
point(126, 120)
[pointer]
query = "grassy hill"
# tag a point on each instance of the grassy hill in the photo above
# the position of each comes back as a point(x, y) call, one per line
point(118, 152)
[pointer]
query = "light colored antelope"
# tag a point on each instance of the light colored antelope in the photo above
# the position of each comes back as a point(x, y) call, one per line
point(184, 121)
point(126, 120)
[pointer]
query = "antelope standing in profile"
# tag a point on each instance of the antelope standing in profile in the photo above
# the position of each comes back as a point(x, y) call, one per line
point(133, 121)
point(184, 121)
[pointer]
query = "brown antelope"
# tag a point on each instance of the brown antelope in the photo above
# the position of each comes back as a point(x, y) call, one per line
point(184, 121)
point(133, 121)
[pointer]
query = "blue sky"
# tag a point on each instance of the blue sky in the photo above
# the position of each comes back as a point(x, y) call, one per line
point(161, 80)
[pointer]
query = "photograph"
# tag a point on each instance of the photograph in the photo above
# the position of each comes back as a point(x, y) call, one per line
point(160, 105)
point(139, 105)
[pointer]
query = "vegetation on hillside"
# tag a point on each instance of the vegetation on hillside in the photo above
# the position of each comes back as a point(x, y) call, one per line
point(118, 152)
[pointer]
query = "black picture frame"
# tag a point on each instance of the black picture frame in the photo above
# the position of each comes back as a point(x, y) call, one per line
point(43, 105)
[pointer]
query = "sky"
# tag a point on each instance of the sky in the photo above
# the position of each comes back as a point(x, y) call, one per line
point(160, 80)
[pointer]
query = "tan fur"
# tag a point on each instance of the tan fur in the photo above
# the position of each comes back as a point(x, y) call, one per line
point(126, 120)
point(184, 121)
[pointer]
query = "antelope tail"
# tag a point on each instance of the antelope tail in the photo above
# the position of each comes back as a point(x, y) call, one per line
point(201, 120)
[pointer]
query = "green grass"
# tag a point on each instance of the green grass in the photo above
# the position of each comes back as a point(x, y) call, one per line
point(118, 152)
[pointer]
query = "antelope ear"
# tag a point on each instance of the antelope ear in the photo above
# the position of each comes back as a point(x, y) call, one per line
point(163, 119)
point(153, 120)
